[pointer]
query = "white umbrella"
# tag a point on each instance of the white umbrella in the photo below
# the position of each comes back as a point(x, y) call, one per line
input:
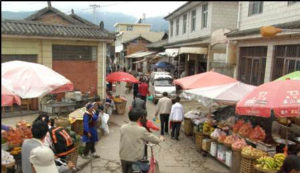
point(31, 80)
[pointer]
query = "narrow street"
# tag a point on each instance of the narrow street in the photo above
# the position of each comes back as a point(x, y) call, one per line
point(173, 156)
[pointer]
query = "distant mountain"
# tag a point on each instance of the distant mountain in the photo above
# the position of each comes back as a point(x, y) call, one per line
point(109, 18)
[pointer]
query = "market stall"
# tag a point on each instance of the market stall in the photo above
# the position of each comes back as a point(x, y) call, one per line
point(247, 143)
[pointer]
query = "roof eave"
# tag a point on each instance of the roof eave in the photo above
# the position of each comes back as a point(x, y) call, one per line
point(182, 6)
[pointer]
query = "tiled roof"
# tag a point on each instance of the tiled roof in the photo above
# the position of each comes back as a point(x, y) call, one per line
point(34, 28)
point(45, 10)
point(151, 36)
point(289, 25)
point(158, 44)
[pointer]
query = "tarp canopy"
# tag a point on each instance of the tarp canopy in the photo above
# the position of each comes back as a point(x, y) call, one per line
point(204, 80)
point(228, 94)
point(140, 61)
point(192, 50)
point(140, 54)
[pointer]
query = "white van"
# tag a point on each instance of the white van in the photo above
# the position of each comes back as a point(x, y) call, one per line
point(159, 83)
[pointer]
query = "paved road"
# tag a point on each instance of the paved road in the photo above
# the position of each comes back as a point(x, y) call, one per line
point(173, 156)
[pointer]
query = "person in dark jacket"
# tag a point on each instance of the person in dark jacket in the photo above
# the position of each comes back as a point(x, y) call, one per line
point(291, 164)
point(138, 102)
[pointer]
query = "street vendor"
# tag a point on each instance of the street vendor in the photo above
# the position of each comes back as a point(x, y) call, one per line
point(90, 135)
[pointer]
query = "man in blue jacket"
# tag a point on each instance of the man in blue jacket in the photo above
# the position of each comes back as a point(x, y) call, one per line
point(90, 136)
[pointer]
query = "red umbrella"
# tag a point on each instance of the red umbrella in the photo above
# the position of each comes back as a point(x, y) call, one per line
point(8, 98)
point(121, 77)
point(31, 80)
point(204, 80)
point(283, 97)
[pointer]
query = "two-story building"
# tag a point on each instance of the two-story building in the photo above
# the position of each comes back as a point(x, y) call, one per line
point(196, 31)
point(132, 38)
point(69, 44)
point(262, 59)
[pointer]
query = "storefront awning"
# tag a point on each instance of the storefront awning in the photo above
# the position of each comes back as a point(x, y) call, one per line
point(193, 50)
point(140, 54)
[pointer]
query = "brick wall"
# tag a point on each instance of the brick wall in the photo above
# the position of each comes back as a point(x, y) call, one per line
point(135, 47)
point(83, 74)
point(53, 19)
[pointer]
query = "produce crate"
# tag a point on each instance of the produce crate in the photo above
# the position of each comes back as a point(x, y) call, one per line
point(77, 127)
point(247, 164)
point(236, 161)
point(121, 107)
point(259, 170)
point(188, 127)
point(198, 140)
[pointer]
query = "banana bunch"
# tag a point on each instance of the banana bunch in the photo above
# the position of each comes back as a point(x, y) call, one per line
point(271, 163)
point(16, 150)
point(207, 128)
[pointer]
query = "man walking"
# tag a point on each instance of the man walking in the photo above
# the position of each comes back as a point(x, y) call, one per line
point(138, 102)
point(164, 108)
point(176, 117)
point(132, 141)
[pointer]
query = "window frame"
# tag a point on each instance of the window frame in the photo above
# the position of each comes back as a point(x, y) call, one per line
point(251, 9)
point(184, 23)
point(129, 26)
point(171, 28)
point(193, 20)
point(177, 26)
point(206, 16)
point(289, 3)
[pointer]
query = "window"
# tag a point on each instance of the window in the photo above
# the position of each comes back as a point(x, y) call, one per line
point(255, 7)
point(14, 57)
point(184, 24)
point(171, 25)
point(66, 52)
point(204, 15)
point(252, 63)
point(129, 28)
point(291, 2)
point(193, 26)
point(286, 60)
point(177, 26)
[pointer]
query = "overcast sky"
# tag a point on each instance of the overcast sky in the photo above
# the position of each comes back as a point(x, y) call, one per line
point(135, 8)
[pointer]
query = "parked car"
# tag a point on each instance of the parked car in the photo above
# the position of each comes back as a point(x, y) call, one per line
point(159, 83)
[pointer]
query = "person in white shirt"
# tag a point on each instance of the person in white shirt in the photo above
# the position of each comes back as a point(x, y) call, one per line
point(164, 108)
point(176, 117)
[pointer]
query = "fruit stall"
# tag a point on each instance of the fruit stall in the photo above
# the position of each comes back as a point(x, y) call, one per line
point(242, 144)
point(13, 139)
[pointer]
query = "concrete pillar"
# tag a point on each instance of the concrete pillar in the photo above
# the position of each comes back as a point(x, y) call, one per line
point(210, 57)
point(235, 74)
point(269, 62)
point(101, 69)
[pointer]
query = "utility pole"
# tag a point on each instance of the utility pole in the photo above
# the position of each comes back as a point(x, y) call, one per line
point(94, 6)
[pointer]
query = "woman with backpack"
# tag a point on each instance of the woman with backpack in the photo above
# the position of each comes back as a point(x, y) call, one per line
point(90, 135)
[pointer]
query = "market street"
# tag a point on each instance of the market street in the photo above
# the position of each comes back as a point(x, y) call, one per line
point(173, 156)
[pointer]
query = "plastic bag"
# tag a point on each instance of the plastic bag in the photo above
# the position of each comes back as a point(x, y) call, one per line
point(104, 125)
